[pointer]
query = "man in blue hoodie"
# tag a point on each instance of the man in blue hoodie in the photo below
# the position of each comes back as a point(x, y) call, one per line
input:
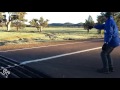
point(111, 41)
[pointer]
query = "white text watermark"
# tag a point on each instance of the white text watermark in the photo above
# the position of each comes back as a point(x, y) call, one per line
point(4, 72)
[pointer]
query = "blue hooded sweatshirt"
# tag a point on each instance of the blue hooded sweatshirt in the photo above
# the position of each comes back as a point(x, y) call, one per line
point(111, 34)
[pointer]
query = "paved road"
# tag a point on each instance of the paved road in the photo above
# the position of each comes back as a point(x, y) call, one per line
point(68, 60)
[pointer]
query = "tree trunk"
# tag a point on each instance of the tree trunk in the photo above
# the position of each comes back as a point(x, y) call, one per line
point(8, 26)
point(88, 30)
point(17, 28)
point(99, 32)
point(41, 28)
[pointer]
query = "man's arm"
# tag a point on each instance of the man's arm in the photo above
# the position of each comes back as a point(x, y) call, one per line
point(99, 26)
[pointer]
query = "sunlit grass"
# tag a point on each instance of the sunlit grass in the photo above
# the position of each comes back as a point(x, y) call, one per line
point(31, 34)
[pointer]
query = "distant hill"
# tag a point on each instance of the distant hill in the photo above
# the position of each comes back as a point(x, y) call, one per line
point(65, 24)
point(56, 24)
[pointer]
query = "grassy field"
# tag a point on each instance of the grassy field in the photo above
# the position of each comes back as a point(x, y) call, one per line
point(31, 35)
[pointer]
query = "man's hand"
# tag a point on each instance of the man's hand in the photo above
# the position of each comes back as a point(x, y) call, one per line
point(105, 45)
point(90, 27)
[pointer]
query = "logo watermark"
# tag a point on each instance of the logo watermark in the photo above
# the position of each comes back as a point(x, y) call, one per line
point(5, 72)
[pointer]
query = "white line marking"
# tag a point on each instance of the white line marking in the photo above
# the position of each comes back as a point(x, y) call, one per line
point(61, 55)
point(46, 46)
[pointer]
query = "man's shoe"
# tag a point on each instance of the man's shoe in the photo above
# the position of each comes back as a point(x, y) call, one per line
point(103, 70)
point(111, 69)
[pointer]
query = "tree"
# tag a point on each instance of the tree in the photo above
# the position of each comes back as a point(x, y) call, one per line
point(39, 24)
point(33, 22)
point(116, 16)
point(10, 17)
point(43, 23)
point(101, 19)
point(1, 19)
point(19, 21)
point(88, 22)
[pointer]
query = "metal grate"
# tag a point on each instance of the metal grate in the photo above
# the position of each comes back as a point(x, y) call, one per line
point(18, 71)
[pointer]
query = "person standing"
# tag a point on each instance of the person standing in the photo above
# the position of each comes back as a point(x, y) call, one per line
point(111, 41)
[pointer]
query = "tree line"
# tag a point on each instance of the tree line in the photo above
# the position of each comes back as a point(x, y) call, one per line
point(17, 19)
point(101, 19)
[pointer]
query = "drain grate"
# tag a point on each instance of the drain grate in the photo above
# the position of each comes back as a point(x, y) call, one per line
point(18, 71)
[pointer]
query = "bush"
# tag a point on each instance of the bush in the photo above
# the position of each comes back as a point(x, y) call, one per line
point(18, 25)
point(100, 31)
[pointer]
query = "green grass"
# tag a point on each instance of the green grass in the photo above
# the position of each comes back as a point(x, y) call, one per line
point(31, 35)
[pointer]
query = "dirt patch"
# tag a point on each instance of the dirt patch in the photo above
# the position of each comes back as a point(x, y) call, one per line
point(35, 44)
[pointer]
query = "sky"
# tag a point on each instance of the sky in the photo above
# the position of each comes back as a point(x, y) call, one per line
point(63, 17)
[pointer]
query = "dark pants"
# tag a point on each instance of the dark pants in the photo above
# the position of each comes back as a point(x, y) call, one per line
point(106, 58)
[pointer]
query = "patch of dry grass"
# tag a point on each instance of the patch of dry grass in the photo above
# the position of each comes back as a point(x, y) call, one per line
point(30, 35)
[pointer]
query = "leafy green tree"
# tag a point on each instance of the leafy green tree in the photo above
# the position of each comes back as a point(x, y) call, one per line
point(10, 17)
point(116, 16)
point(1, 19)
point(39, 24)
point(101, 18)
point(33, 22)
point(88, 22)
point(19, 21)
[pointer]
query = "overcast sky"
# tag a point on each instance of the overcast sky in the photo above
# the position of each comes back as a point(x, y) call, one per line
point(62, 17)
